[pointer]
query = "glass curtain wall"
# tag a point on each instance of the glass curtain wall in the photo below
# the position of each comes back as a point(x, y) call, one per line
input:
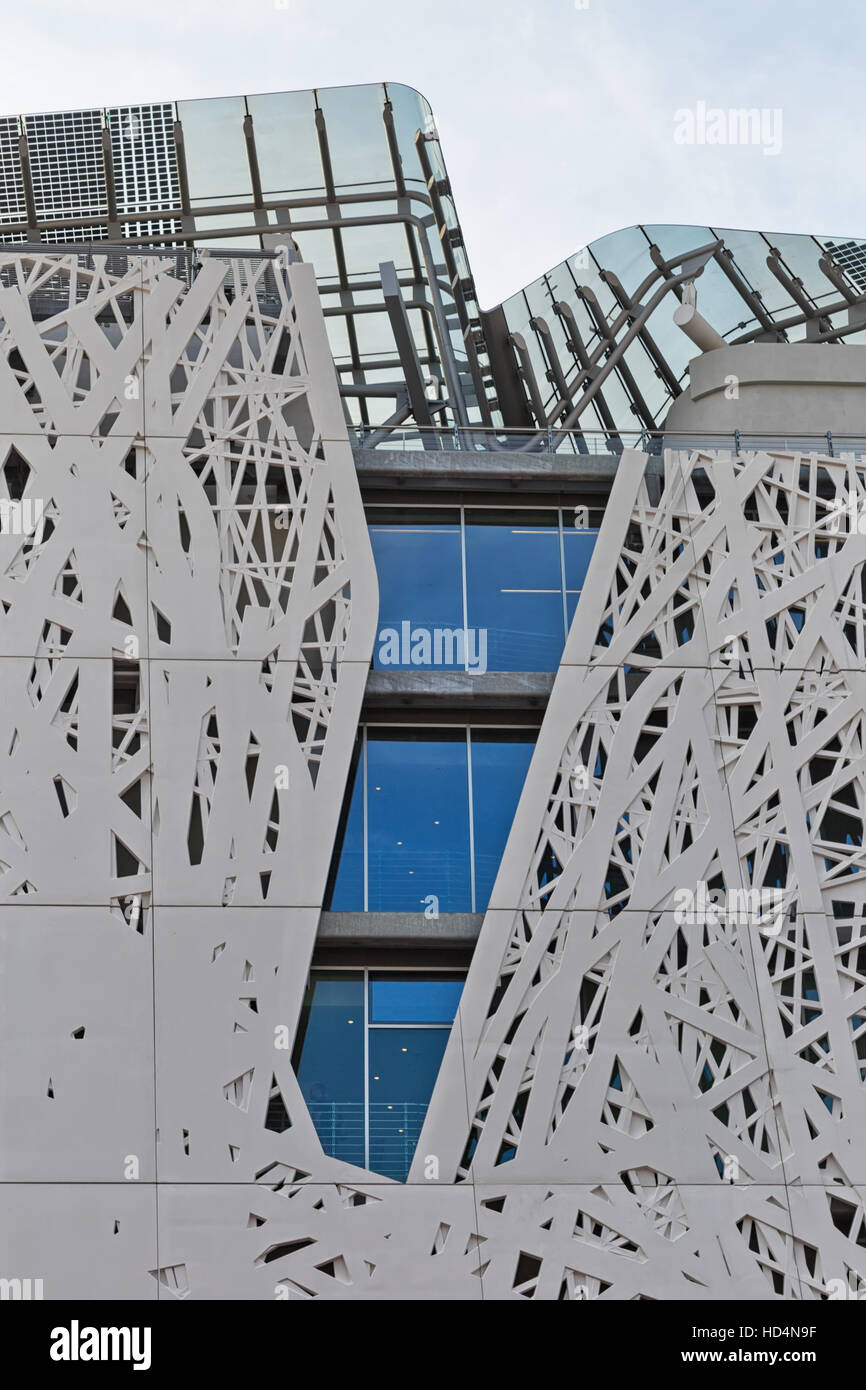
point(477, 588)
point(428, 816)
point(368, 1052)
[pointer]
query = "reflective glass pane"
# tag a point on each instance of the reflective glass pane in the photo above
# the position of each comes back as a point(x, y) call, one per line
point(577, 549)
point(284, 127)
point(411, 114)
point(404, 1064)
point(417, 820)
point(626, 253)
point(227, 221)
point(539, 364)
point(317, 248)
point(617, 399)
point(338, 339)
point(750, 258)
point(375, 339)
point(348, 891)
point(356, 134)
point(365, 248)
point(417, 554)
point(216, 153)
point(378, 410)
point(500, 761)
point(329, 1061)
point(720, 303)
point(414, 998)
point(800, 255)
point(514, 588)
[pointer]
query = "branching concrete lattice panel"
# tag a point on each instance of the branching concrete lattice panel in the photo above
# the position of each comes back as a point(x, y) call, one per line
point(683, 1090)
point(630, 1105)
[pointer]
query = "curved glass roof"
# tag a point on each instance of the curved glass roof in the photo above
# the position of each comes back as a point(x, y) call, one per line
point(592, 344)
point(355, 177)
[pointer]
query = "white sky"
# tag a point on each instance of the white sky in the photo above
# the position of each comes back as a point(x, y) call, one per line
point(557, 122)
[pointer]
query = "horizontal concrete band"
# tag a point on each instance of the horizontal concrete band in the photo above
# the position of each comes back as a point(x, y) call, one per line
point(502, 689)
point(428, 467)
point(398, 929)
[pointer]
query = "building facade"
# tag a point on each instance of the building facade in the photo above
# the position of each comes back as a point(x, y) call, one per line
point(431, 762)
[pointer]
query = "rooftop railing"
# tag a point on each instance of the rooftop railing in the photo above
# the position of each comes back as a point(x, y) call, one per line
point(484, 439)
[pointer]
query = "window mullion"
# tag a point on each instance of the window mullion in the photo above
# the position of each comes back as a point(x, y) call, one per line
point(364, 792)
point(463, 588)
point(562, 577)
point(471, 821)
point(366, 1069)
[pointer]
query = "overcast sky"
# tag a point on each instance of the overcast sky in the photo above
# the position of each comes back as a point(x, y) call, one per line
point(557, 120)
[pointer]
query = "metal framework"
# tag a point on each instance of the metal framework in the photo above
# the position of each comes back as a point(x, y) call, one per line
point(315, 170)
point(591, 347)
point(355, 178)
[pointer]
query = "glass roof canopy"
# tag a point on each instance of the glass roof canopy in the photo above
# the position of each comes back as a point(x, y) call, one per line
point(354, 179)
point(352, 176)
point(592, 344)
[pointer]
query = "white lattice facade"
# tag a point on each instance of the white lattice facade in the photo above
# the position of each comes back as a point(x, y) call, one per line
point(635, 1102)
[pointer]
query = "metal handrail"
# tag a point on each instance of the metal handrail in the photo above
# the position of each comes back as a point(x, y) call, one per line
point(492, 439)
point(379, 1134)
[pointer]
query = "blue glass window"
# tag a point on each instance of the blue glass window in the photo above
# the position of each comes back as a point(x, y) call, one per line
point(404, 1064)
point(418, 853)
point(409, 998)
point(417, 554)
point(514, 587)
point(329, 1061)
point(478, 589)
point(577, 548)
point(399, 1021)
point(417, 820)
point(347, 892)
point(500, 761)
